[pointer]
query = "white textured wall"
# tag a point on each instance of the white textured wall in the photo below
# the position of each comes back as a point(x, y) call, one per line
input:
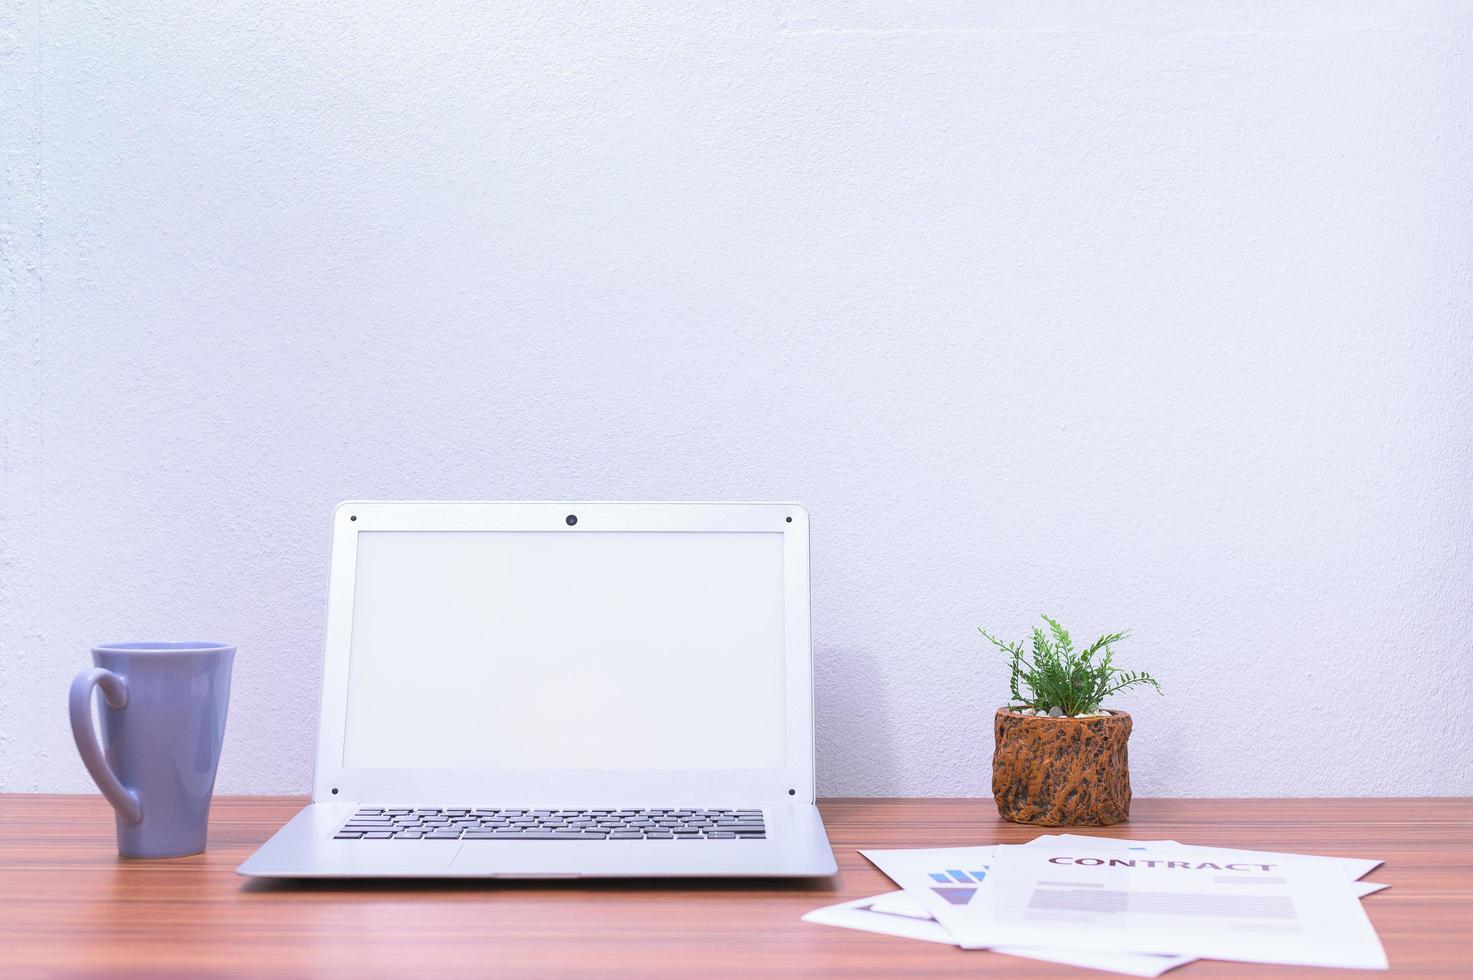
point(1148, 318)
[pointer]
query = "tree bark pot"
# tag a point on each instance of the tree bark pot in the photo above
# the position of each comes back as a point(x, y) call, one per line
point(1057, 772)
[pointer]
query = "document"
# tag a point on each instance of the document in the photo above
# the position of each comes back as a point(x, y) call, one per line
point(896, 914)
point(1119, 914)
point(950, 884)
point(1252, 906)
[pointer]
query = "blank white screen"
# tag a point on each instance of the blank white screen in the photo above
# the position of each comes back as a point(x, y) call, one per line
point(510, 650)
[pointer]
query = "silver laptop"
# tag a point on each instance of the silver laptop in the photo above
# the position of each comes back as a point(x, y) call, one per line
point(548, 690)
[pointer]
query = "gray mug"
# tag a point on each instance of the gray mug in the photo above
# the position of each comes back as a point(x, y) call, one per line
point(163, 721)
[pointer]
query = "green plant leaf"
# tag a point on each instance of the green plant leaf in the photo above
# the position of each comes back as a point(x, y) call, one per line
point(1059, 676)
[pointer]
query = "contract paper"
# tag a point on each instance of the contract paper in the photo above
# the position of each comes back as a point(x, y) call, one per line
point(950, 883)
point(896, 914)
point(1197, 901)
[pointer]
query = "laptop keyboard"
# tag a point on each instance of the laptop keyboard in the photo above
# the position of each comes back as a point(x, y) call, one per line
point(402, 823)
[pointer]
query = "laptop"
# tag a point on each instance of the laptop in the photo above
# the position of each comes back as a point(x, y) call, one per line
point(562, 690)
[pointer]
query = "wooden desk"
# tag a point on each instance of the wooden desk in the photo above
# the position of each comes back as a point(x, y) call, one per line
point(70, 906)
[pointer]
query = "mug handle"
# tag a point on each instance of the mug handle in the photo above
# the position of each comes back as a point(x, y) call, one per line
point(115, 692)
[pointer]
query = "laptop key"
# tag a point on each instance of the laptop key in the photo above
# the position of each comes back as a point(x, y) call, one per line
point(721, 835)
point(443, 835)
point(348, 835)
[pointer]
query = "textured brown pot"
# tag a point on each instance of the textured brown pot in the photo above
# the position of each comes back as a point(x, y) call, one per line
point(1061, 771)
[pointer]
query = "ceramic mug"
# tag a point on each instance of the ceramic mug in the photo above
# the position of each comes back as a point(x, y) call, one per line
point(163, 721)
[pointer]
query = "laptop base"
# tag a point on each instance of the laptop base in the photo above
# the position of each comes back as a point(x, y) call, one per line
point(795, 845)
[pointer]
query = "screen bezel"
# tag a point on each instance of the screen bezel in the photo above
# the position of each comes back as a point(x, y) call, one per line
point(794, 781)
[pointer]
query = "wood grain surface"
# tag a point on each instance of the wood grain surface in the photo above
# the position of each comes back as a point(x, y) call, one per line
point(69, 906)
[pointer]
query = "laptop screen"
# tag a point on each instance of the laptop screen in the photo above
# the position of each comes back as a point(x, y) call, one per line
point(538, 650)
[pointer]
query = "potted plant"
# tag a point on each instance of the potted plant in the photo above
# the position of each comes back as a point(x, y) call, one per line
point(1060, 758)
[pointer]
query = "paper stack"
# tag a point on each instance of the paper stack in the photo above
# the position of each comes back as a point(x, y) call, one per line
point(1134, 907)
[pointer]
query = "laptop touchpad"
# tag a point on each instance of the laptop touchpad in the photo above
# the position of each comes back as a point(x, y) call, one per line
point(542, 858)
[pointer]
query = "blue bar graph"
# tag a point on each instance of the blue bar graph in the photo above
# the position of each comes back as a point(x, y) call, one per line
point(957, 875)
